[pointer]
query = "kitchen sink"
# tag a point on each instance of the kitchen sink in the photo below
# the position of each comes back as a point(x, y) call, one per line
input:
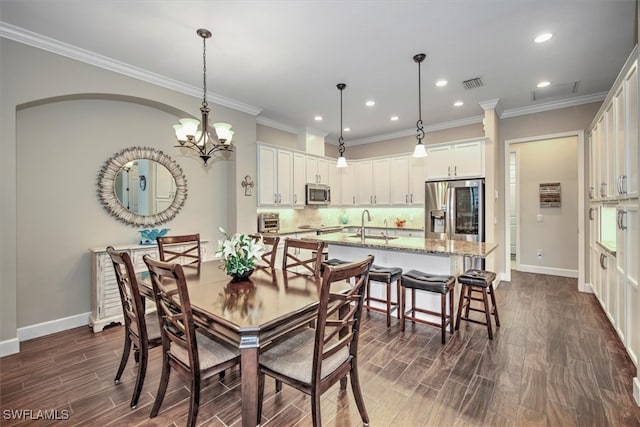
point(373, 236)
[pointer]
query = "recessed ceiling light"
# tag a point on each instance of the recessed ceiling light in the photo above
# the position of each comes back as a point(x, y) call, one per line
point(347, 129)
point(458, 104)
point(543, 84)
point(441, 83)
point(318, 118)
point(394, 118)
point(543, 37)
point(370, 103)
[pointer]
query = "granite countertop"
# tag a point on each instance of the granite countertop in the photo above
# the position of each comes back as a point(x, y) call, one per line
point(306, 228)
point(412, 244)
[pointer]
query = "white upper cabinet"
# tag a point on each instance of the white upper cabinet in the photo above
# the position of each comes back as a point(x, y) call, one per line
point(456, 160)
point(317, 170)
point(364, 192)
point(628, 169)
point(299, 179)
point(381, 182)
point(348, 184)
point(275, 176)
point(407, 181)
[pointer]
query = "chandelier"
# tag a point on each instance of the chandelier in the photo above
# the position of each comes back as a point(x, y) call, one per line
point(419, 150)
point(342, 162)
point(201, 141)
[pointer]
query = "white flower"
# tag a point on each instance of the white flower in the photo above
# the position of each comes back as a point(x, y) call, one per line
point(239, 252)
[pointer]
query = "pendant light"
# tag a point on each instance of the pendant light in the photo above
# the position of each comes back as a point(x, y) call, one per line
point(419, 150)
point(201, 141)
point(342, 162)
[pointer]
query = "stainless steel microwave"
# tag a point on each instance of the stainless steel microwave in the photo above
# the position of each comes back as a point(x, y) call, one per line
point(318, 194)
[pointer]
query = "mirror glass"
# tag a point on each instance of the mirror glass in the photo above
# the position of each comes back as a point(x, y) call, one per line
point(145, 187)
point(142, 186)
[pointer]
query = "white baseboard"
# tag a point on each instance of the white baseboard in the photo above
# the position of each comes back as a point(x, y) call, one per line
point(586, 288)
point(8, 347)
point(53, 326)
point(548, 270)
point(636, 390)
point(499, 278)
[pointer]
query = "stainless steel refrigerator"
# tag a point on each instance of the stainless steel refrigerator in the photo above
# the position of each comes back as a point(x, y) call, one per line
point(454, 210)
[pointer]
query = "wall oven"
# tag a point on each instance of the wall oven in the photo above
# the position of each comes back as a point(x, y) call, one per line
point(318, 194)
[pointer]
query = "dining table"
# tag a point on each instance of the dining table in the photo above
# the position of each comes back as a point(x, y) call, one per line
point(249, 314)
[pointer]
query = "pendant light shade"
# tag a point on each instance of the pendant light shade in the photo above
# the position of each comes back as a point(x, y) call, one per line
point(342, 162)
point(419, 150)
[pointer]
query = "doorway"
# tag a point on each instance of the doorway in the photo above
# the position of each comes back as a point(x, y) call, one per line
point(530, 221)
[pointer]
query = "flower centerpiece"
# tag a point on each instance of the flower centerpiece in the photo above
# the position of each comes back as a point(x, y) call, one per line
point(240, 254)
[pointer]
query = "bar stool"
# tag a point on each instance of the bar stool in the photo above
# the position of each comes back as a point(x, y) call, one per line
point(387, 276)
point(443, 285)
point(480, 281)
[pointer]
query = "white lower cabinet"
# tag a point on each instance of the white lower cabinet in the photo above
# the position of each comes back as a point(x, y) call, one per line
point(106, 307)
point(628, 254)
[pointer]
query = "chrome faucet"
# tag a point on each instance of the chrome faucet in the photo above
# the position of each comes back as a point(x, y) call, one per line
point(362, 230)
point(386, 231)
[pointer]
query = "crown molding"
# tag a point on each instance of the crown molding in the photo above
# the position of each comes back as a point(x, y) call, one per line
point(412, 132)
point(555, 105)
point(312, 131)
point(493, 104)
point(48, 44)
point(264, 121)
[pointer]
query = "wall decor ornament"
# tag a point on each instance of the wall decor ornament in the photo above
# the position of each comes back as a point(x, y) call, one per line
point(247, 184)
point(107, 181)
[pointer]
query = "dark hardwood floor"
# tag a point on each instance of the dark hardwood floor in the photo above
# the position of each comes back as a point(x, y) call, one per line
point(555, 361)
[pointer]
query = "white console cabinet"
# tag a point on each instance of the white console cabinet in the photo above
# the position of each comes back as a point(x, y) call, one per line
point(106, 307)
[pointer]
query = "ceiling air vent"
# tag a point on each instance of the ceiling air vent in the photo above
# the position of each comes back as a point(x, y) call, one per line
point(473, 83)
point(561, 90)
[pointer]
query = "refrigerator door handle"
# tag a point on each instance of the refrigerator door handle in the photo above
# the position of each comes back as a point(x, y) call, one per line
point(451, 213)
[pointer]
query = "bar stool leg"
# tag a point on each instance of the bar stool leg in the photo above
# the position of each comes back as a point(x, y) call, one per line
point(398, 298)
point(495, 307)
point(402, 309)
point(469, 294)
point(389, 305)
point(413, 302)
point(460, 304)
point(451, 316)
point(487, 312)
point(368, 294)
point(443, 316)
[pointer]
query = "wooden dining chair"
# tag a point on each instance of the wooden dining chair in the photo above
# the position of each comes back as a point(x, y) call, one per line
point(193, 355)
point(184, 249)
point(302, 256)
point(271, 249)
point(141, 330)
point(313, 360)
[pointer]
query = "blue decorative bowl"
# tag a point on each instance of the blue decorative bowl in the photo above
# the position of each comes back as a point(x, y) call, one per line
point(149, 236)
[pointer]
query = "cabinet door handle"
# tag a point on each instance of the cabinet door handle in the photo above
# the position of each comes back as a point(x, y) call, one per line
point(619, 184)
point(455, 171)
point(591, 218)
point(295, 198)
point(623, 184)
point(411, 200)
point(406, 198)
point(354, 200)
point(591, 192)
point(603, 189)
point(448, 170)
point(602, 262)
point(623, 215)
point(375, 200)
point(275, 198)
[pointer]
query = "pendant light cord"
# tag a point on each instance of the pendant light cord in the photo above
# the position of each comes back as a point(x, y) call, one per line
point(420, 130)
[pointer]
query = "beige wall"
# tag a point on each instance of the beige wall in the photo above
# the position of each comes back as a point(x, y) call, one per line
point(548, 161)
point(51, 154)
point(276, 137)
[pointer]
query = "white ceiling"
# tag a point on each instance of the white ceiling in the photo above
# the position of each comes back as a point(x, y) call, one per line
point(286, 57)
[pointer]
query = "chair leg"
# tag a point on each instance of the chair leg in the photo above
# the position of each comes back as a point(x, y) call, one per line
point(142, 371)
point(402, 309)
point(460, 303)
point(125, 357)
point(495, 306)
point(357, 392)
point(443, 317)
point(162, 387)
point(195, 400)
point(368, 295)
point(487, 312)
point(278, 386)
point(261, 395)
point(315, 408)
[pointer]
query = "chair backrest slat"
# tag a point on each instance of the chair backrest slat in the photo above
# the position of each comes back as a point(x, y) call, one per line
point(302, 263)
point(132, 306)
point(184, 249)
point(339, 315)
point(174, 308)
point(271, 249)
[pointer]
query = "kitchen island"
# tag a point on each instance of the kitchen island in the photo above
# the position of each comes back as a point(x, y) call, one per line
point(446, 257)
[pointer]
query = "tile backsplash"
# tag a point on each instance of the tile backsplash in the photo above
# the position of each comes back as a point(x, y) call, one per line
point(290, 218)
